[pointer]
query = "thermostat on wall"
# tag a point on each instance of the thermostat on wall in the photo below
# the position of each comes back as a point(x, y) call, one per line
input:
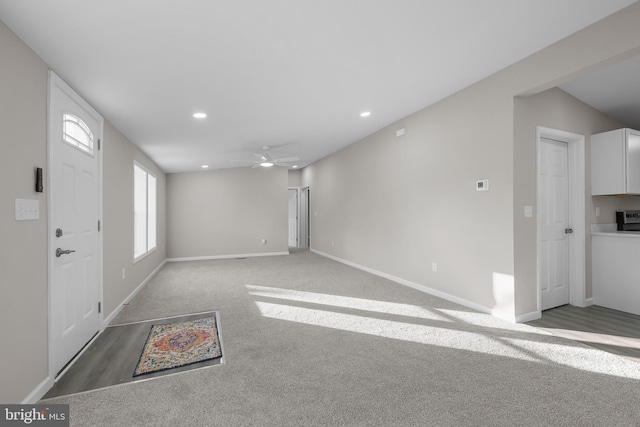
point(482, 185)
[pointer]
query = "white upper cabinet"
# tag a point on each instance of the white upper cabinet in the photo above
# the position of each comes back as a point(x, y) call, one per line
point(615, 162)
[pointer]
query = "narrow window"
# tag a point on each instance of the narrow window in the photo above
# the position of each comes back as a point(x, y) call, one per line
point(144, 208)
point(76, 132)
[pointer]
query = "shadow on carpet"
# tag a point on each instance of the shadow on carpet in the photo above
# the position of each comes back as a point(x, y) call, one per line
point(119, 351)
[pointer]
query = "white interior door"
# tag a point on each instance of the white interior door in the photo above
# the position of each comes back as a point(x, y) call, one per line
point(553, 206)
point(74, 211)
point(303, 218)
point(293, 217)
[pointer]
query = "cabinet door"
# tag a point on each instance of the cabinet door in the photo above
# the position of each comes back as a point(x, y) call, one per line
point(608, 163)
point(616, 273)
point(633, 162)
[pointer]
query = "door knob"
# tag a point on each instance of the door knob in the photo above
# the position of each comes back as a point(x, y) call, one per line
point(568, 230)
point(60, 252)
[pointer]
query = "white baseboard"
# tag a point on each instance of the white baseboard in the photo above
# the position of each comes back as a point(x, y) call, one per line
point(115, 312)
point(204, 258)
point(38, 392)
point(528, 317)
point(425, 289)
point(589, 302)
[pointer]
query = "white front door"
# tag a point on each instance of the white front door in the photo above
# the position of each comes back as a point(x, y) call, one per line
point(293, 217)
point(553, 205)
point(75, 254)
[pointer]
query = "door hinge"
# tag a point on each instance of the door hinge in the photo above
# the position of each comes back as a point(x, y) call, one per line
point(99, 307)
point(99, 225)
point(99, 145)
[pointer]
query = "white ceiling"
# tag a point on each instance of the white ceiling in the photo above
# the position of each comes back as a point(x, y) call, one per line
point(293, 74)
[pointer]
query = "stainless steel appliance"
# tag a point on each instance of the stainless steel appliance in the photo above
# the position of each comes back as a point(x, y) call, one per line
point(628, 220)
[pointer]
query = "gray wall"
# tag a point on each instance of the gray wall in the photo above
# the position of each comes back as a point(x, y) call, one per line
point(227, 212)
point(23, 253)
point(23, 248)
point(119, 155)
point(295, 178)
point(397, 205)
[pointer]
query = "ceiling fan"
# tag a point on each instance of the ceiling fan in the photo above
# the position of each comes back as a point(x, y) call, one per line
point(266, 161)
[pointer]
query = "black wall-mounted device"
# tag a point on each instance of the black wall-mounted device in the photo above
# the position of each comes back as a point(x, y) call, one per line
point(39, 182)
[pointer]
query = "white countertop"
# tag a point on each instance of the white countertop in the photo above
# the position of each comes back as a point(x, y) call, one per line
point(612, 230)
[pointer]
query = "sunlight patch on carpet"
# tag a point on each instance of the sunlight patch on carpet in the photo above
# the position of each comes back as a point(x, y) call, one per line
point(487, 340)
point(398, 309)
point(422, 334)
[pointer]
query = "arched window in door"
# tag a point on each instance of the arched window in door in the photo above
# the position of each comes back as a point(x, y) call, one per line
point(76, 132)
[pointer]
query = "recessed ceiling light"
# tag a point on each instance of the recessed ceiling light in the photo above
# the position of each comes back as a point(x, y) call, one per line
point(365, 114)
point(295, 166)
point(204, 166)
point(199, 115)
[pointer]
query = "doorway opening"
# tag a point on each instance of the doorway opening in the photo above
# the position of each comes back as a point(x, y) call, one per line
point(293, 217)
point(299, 217)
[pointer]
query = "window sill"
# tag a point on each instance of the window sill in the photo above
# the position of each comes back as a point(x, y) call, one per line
point(144, 255)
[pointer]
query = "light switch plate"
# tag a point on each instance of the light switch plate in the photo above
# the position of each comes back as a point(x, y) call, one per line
point(528, 211)
point(27, 210)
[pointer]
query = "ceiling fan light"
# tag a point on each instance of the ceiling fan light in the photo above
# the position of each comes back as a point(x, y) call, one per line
point(266, 164)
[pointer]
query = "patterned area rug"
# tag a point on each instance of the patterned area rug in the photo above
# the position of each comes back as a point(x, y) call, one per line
point(179, 344)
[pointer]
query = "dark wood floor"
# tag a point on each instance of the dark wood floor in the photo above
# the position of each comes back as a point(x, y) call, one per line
point(609, 330)
point(113, 356)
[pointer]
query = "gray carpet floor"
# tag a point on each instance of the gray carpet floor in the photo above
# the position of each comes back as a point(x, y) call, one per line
point(310, 342)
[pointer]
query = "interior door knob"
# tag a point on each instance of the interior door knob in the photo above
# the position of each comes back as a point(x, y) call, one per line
point(60, 252)
point(568, 230)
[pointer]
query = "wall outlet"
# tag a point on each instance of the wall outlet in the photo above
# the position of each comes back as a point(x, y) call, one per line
point(333, 243)
point(434, 267)
point(124, 273)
